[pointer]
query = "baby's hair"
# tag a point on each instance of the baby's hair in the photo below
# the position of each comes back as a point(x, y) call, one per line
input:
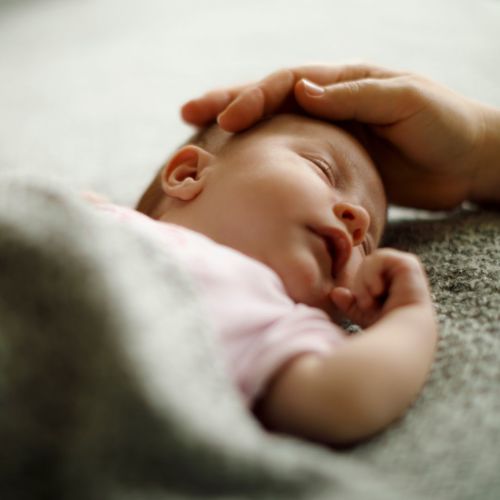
point(210, 138)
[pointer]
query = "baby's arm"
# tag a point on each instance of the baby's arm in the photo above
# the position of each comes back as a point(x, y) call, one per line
point(373, 378)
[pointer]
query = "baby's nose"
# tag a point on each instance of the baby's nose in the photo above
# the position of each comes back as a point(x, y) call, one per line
point(355, 218)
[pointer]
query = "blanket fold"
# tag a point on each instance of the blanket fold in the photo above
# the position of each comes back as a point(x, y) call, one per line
point(110, 387)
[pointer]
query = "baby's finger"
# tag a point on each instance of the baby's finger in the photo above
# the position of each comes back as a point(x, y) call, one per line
point(373, 277)
point(343, 299)
point(369, 283)
point(358, 289)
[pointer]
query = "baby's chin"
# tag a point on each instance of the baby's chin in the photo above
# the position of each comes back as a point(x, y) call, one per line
point(307, 283)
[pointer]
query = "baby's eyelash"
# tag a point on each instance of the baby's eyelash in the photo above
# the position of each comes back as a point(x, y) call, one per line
point(325, 168)
point(369, 244)
point(366, 247)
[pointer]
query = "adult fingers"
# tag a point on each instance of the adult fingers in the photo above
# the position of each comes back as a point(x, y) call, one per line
point(257, 101)
point(371, 100)
point(241, 106)
point(204, 109)
point(325, 74)
point(237, 108)
point(271, 94)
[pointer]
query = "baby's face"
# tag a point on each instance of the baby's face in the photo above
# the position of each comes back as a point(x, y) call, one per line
point(301, 196)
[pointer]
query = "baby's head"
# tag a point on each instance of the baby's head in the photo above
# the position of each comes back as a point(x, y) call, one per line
point(300, 195)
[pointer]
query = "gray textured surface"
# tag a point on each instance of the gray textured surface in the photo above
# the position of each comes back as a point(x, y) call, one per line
point(449, 444)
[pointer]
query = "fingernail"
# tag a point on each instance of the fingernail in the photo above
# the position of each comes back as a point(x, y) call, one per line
point(312, 89)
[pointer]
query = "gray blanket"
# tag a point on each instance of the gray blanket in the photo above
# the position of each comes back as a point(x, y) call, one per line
point(110, 387)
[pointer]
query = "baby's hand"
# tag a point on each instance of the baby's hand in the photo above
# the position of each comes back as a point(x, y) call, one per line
point(386, 280)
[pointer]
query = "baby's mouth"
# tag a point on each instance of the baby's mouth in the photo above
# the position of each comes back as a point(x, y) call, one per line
point(338, 245)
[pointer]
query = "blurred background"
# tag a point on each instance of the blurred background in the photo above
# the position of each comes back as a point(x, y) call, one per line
point(90, 90)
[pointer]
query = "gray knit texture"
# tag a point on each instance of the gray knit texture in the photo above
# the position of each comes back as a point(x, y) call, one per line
point(110, 387)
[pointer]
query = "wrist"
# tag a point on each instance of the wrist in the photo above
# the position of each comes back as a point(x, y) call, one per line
point(416, 324)
point(485, 184)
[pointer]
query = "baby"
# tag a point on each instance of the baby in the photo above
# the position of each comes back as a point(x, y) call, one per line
point(279, 227)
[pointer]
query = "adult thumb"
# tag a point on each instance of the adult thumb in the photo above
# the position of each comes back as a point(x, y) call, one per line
point(372, 101)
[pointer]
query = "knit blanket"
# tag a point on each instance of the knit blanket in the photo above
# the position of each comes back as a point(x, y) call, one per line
point(110, 387)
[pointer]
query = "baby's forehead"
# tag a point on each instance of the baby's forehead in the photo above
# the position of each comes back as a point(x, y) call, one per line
point(338, 142)
point(295, 124)
point(295, 127)
point(313, 132)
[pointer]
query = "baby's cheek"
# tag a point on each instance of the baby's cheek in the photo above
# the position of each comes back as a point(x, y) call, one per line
point(346, 277)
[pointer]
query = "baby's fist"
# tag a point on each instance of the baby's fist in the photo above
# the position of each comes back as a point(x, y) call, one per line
point(386, 280)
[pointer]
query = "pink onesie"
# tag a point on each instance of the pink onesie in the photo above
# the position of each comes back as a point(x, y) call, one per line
point(257, 326)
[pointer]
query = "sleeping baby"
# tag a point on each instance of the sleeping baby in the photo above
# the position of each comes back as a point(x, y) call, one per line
point(278, 227)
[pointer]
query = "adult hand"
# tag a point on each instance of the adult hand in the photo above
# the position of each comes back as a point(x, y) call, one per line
point(434, 148)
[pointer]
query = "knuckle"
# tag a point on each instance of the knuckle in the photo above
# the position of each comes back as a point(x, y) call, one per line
point(413, 259)
point(411, 86)
point(417, 78)
point(275, 86)
point(414, 263)
point(213, 93)
point(365, 68)
point(387, 252)
point(286, 74)
point(352, 95)
point(353, 88)
point(281, 75)
point(406, 257)
point(362, 66)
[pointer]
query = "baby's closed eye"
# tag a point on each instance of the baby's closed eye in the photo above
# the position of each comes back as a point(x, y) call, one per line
point(324, 167)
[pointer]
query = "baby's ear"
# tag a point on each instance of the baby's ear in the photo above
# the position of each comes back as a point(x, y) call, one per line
point(182, 177)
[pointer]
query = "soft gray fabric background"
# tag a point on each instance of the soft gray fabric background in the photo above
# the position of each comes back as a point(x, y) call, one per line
point(90, 89)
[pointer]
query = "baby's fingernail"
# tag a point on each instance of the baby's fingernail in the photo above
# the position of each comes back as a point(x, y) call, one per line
point(312, 89)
